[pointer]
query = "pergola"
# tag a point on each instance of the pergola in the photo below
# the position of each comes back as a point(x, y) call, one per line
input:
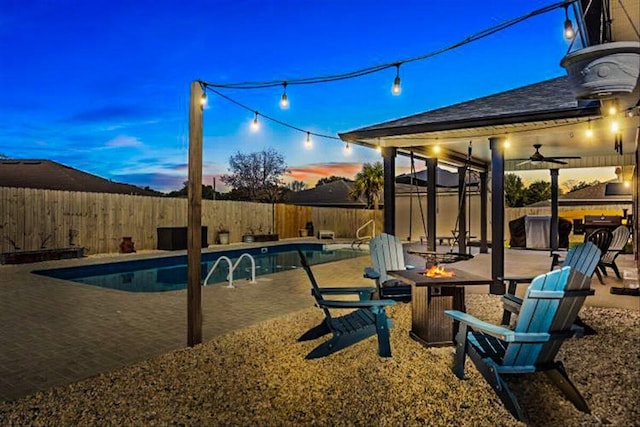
point(501, 130)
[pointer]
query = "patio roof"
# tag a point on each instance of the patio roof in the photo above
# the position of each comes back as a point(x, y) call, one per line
point(544, 113)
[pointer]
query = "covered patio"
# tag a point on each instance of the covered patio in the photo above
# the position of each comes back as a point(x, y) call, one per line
point(496, 134)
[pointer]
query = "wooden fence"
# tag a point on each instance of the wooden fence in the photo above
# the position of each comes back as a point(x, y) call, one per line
point(32, 219)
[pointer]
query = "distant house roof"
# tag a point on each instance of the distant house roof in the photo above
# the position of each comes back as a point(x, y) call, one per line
point(50, 175)
point(550, 99)
point(602, 193)
point(444, 178)
point(335, 193)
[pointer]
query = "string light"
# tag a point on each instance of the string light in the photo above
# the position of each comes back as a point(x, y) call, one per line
point(436, 149)
point(569, 34)
point(378, 146)
point(203, 99)
point(377, 68)
point(284, 100)
point(347, 149)
point(308, 144)
point(254, 124)
point(589, 132)
point(507, 142)
point(396, 89)
point(615, 126)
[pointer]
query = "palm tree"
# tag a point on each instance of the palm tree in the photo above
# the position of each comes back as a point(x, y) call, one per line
point(369, 183)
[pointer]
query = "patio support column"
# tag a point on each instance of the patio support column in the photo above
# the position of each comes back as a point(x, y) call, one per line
point(389, 167)
point(194, 218)
point(483, 213)
point(432, 167)
point(553, 238)
point(462, 210)
point(496, 144)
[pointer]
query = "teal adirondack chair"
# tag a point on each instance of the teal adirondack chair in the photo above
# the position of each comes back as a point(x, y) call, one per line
point(548, 311)
point(583, 258)
point(387, 254)
point(367, 318)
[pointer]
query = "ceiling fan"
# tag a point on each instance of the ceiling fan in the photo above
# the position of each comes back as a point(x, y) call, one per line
point(537, 157)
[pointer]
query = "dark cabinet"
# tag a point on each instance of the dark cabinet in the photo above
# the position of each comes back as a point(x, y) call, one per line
point(175, 238)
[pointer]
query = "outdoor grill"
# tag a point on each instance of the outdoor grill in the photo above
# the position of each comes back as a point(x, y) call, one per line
point(593, 222)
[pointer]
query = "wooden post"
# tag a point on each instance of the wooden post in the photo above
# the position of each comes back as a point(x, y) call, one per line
point(389, 170)
point(462, 209)
point(553, 236)
point(432, 192)
point(483, 213)
point(194, 218)
point(496, 144)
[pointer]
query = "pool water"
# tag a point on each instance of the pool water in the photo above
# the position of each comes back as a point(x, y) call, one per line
point(170, 273)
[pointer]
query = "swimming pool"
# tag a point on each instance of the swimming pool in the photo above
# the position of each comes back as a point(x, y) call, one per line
point(170, 273)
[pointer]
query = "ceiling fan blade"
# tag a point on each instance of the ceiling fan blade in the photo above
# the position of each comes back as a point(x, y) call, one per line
point(523, 163)
point(554, 160)
point(566, 157)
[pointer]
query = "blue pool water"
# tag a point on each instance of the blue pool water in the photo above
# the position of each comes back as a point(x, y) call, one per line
point(170, 273)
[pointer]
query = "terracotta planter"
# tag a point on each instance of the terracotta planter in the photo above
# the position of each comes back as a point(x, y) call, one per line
point(605, 70)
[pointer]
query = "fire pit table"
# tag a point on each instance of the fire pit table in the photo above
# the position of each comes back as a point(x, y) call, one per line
point(430, 297)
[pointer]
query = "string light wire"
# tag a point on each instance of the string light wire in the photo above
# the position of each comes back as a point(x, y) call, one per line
point(376, 68)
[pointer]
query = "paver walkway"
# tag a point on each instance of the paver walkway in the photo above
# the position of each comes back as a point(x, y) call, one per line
point(55, 332)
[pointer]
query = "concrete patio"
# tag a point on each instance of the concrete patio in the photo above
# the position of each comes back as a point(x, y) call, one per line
point(54, 332)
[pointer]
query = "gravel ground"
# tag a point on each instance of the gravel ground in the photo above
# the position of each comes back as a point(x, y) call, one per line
point(258, 377)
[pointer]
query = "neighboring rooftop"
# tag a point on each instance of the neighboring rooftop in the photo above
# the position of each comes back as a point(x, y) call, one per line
point(50, 175)
point(335, 193)
point(601, 193)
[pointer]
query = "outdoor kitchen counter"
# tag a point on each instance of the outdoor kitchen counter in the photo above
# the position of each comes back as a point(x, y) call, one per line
point(430, 297)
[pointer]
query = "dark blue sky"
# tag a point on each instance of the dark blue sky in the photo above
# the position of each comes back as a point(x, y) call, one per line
point(103, 86)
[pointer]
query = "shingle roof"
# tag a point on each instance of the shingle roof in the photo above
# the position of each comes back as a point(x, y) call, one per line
point(50, 175)
point(335, 193)
point(528, 103)
point(591, 194)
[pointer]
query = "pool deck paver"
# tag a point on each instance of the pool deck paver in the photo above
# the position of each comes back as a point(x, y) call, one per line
point(55, 332)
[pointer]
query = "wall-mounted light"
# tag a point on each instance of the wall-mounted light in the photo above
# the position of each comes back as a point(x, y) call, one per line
point(436, 149)
point(615, 126)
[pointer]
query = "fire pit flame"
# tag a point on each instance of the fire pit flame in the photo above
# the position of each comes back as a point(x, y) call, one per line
point(438, 271)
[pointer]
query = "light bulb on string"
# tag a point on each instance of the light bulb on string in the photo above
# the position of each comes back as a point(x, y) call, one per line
point(308, 143)
point(347, 149)
point(569, 33)
point(589, 132)
point(396, 89)
point(254, 124)
point(615, 126)
point(284, 99)
point(203, 98)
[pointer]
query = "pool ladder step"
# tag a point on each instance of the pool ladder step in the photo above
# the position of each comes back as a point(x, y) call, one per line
point(232, 268)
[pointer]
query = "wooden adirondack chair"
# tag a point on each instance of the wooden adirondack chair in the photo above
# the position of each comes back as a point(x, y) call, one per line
point(620, 237)
point(583, 258)
point(368, 317)
point(387, 254)
point(548, 311)
point(602, 238)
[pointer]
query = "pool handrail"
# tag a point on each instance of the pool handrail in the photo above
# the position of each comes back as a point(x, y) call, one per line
point(232, 268)
point(229, 276)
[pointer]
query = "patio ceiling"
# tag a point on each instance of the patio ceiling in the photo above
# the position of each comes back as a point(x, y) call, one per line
point(544, 113)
